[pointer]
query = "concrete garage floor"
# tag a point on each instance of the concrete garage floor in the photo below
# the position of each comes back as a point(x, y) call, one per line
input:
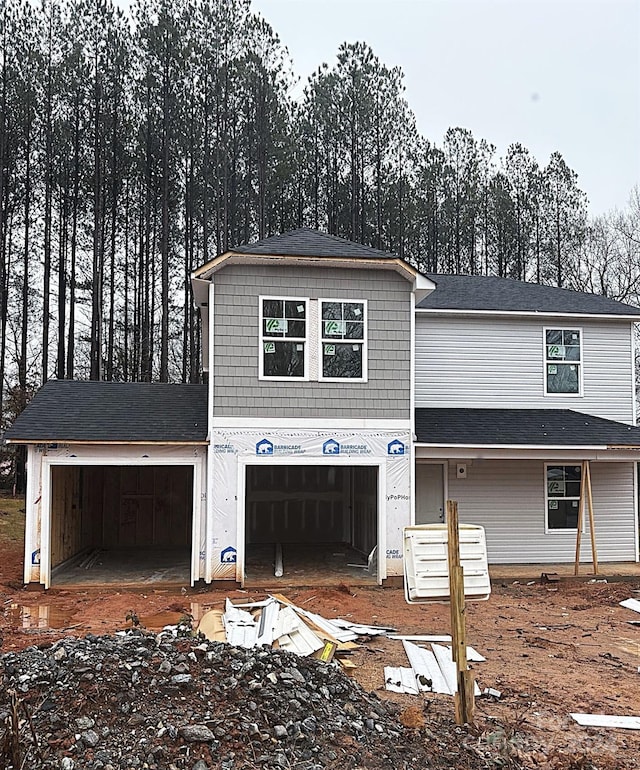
point(304, 565)
point(307, 565)
point(127, 567)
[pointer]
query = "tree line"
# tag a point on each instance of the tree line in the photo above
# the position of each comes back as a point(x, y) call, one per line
point(134, 148)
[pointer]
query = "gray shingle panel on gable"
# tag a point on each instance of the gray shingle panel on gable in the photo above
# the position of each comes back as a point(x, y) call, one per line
point(239, 393)
point(306, 242)
point(69, 410)
point(525, 427)
point(488, 292)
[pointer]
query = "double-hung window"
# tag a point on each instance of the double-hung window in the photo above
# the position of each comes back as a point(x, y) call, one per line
point(343, 340)
point(283, 338)
point(563, 361)
point(563, 496)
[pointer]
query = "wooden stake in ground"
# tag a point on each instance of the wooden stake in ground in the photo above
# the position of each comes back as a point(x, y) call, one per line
point(586, 496)
point(464, 697)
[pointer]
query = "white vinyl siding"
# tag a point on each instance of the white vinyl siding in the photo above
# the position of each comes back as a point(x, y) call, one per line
point(477, 361)
point(507, 498)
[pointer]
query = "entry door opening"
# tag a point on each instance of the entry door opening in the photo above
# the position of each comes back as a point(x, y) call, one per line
point(430, 493)
point(121, 524)
point(323, 518)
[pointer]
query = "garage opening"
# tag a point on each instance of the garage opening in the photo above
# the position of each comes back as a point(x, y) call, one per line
point(321, 521)
point(121, 524)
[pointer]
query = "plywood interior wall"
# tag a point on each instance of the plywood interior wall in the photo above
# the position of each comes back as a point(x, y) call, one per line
point(67, 534)
point(310, 504)
point(119, 507)
point(145, 506)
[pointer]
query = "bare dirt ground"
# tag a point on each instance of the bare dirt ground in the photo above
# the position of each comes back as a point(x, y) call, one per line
point(551, 649)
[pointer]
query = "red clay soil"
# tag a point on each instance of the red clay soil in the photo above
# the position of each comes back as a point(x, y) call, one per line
point(550, 649)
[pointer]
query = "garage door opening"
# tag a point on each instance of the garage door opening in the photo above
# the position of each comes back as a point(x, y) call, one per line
point(322, 520)
point(121, 524)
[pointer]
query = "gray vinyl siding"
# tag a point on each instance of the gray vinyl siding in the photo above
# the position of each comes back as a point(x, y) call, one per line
point(507, 498)
point(237, 388)
point(483, 362)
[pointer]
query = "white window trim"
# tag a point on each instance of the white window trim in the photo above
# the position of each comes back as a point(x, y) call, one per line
point(545, 361)
point(262, 339)
point(364, 342)
point(554, 530)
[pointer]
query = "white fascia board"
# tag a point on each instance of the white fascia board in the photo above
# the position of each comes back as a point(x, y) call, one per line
point(482, 447)
point(292, 423)
point(461, 452)
point(396, 264)
point(422, 287)
point(527, 314)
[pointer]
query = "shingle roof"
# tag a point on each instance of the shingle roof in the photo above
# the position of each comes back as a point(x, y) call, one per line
point(306, 242)
point(527, 427)
point(488, 292)
point(69, 410)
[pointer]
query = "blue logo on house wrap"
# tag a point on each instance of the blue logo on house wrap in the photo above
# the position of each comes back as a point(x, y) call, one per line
point(395, 447)
point(331, 447)
point(264, 447)
point(229, 555)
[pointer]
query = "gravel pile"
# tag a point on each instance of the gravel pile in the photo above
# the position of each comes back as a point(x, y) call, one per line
point(144, 700)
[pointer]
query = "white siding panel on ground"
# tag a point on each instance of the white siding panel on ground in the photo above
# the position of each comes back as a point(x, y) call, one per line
point(507, 498)
point(475, 361)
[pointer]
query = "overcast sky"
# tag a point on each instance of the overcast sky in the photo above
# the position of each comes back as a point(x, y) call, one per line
point(552, 74)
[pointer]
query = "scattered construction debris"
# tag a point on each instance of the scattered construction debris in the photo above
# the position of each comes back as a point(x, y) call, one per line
point(549, 577)
point(431, 670)
point(607, 720)
point(631, 604)
point(277, 622)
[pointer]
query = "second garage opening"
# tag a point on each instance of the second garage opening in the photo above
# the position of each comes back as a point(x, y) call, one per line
point(323, 519)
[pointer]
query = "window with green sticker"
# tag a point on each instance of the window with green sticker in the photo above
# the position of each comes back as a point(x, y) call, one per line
point(563, 361)
point(283, 337)
point(563, 496)
point(343, 340)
